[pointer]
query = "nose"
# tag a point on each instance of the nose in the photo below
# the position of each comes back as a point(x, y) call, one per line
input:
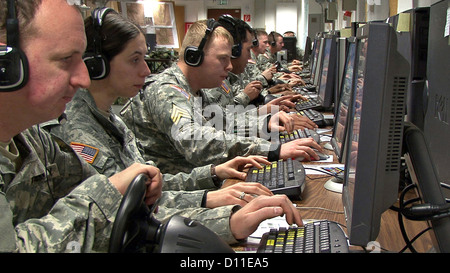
point(229, 65)
point(80, 78)
point(145, 70)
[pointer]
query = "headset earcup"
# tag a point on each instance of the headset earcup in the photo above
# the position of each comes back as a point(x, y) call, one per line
point(193, 56)
point(14, 70)
point(97, 65)
point(236, 51)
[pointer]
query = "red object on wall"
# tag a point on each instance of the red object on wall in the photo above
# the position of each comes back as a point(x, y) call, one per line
point(187, 26)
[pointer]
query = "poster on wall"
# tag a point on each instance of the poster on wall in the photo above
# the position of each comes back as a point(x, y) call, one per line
point(157, 18)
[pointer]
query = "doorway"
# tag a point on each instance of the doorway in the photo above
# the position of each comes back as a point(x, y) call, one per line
point(215, 13)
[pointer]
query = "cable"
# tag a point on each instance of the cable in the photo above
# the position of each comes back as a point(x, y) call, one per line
point(409, 244)
point(400, 217)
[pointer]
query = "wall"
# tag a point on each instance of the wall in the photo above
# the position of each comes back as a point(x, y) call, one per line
point(281, 15)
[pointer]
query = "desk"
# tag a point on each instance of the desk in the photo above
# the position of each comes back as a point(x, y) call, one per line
point(320, 203)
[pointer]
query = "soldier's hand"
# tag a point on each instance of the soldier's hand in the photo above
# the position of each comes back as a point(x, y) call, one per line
point(234, 167)
point(236, 194)
point(303, 147)
point(246, 220)
point(154, 185)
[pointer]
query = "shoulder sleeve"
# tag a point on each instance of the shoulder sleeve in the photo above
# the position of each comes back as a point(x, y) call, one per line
point(81, 221)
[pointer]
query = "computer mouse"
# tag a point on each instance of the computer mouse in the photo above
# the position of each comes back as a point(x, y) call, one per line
point(328, 146)
point(322, 156)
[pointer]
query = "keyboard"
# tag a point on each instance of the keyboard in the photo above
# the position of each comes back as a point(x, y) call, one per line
point(317, 117)
point(299, 133)
point(315, 237)
point(310, 87)
point(281, 177)
point(310, 103)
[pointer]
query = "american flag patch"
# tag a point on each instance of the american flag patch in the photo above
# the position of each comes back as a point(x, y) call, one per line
point(181, 90)
point(87, 152)
point(225, 87)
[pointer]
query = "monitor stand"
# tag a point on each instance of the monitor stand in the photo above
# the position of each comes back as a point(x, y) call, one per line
point(335, 184)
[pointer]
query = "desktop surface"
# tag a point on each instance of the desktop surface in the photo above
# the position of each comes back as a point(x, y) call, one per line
point(318, 203)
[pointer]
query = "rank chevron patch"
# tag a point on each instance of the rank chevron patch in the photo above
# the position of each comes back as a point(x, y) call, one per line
point(178, 113)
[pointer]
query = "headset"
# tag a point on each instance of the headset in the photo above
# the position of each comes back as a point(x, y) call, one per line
point(96, 63)
point(237, 31)
point(14, 71)
point(193, 56)
point(273, 42)
point(255, 42)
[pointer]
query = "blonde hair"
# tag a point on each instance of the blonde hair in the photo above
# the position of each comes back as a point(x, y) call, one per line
point(196, 33)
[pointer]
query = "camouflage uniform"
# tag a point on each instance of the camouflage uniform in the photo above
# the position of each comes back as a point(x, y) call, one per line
point(265, 60)
point(252, 72)
point(170, 127)
point(116, 149)
point(30, 218)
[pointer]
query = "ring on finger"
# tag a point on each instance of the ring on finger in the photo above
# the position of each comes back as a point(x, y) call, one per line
point(242, 196)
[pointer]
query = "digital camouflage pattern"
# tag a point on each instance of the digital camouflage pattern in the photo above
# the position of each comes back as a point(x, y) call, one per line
point(171, 129)
point(30, 218)
point(116, 149)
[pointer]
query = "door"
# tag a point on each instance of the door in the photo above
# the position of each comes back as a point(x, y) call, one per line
point(215, 13)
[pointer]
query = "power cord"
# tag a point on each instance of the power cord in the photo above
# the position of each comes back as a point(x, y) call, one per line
point(420, 212)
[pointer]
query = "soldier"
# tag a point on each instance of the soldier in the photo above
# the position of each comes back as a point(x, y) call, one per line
point(50, 198)
point(169, 123)
point(242, 87)
point(91, 123)
point(270, 57)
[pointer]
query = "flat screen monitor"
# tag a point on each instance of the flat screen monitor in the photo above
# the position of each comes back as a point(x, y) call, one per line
point(315, 70)
point(325, 90)
point(413, 44)
point(290, 45)
point(340, 65)
point(315, 55)
point(373, 160)
point(308, 50)
point(437, 115)
point(340, 132)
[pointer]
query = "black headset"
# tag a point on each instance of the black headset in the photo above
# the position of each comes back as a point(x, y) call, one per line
point(274, 42)
point(255, 42)
point(193, 55)
point(232, 25)
point(96, 63)
point(13, 61)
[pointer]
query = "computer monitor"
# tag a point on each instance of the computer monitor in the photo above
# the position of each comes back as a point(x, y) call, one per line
point(373, 160)
point(290, 45)
point(413, 44)
point(315, 55)
point(315, 70)
point(340, 129)
point(340, 66)
point(437, 115)
point(325, 89)
point(308, 51)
